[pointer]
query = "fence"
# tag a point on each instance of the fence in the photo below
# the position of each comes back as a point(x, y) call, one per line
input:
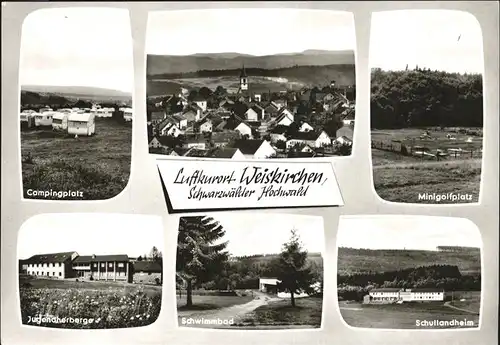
point(424, 152)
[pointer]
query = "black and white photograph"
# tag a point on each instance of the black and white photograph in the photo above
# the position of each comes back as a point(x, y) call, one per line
point(409, 272)
point(221, 86)
point(76, 81)
point(106, 273)
point(426, 106)
point(250, 271)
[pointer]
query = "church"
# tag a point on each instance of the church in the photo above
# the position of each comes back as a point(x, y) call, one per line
point(244, 93)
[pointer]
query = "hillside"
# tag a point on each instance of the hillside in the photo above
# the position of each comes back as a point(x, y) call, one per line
point(260, 80)
point(352, 260)
point(264, 259)
point(78, 92)
point(161, 64)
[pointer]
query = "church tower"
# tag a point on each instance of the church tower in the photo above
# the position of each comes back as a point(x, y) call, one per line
point(243, 79)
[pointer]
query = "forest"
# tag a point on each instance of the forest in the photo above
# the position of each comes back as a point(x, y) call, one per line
point(447, 277)
point(425, 98)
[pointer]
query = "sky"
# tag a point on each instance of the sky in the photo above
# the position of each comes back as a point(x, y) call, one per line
point(250, 234)
point(88, 234)
point(248, 31)
point(77, 47)
point(395, 232)
point(427, 38)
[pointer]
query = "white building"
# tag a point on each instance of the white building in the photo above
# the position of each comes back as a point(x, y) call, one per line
point(313, 139)
point(285, 117)
point(391, 295)
point(171, 129)
point(56, 265)
point(206, 125)
point(81, 124)
point(251, 115)
point(305, 127)
point(244, 129)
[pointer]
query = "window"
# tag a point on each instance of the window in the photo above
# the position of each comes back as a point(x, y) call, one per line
point(60, 274)
point(60, 264)
point(95, 265)
point(103, 264)
point(121, 264)
point(110, 264)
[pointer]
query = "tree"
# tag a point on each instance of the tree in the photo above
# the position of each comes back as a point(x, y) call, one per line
point(199, 257)
point(139, 258)
point(155, 255)
point(295, 274)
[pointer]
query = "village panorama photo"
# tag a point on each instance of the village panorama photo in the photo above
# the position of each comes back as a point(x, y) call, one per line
point(76, 80)
point(409, 272)
point(107, 278)
point(248, 271)
point(219, 86)
point(426, 106)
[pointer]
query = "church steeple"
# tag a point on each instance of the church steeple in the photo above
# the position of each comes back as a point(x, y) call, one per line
point(243, 79)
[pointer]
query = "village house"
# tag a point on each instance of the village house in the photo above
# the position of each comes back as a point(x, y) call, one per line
point(169, 128)
point(278, 133)
point(205, 125)
point(199, 143)
point(259, 110)
point(285, 117)
point(313, 139)
point(305, 127)
point(255, 149)
point(157, 116)
point(271, 111)
point(257, 97)
point(344, 135)
point(228, 153)
point(268, 285)
point(244, 129)
point(200, 102)
point(279, 103)
point(251, 115)
point(55, 265)
point(179, 120)
point(103, 267)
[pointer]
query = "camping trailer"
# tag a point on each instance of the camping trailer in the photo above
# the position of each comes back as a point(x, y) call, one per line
point(44, 119)
point(27, 120)
point(81, 124)
point(60, 121)
point(127, 114)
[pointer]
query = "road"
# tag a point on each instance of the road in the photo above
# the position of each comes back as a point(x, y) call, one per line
point(448, 304)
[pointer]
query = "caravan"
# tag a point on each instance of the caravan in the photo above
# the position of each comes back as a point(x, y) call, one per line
point(81, 124)
point(60, 121)
point(44, 119)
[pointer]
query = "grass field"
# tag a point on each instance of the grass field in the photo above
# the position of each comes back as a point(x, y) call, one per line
point(352, 261)
point(400, 178)
point(402, 316)
point(97, 166)
point(102, 304)
point(307, 312)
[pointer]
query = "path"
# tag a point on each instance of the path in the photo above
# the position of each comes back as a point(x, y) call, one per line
point(448, 304)
point(236, 312)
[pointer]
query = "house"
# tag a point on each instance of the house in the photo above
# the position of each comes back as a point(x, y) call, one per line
point(244, 129)
point(157, 142)
point(278, 133)
point(81, 124)
point(345, 131)
point(157, 116)
point(146, 271)
point(221, 139)
point(180, 120)
point(227, 152)
point(257, 97)
point(252, 115)
point(307, 149)
point(55, 265)
point(200, 102)
point(257, 149)
point(259, 110)
point(60, 121)
point(198, 143)
point(305, 127)
point(394, 295)
point(169, 128)
point(271, 111)
point(285, 117)
point(23, 266)
point(269, 285)
point(191, 114)
point(313, 139)
point(205, 125)
point(342, 140)
point(279, 103)
point(103, 267)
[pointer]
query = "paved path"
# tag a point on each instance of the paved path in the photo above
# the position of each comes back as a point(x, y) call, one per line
point(235, 312)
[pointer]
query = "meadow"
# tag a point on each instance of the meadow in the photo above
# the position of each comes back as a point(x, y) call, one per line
point(352, 261)
point(107, 304)
point(307, 312)
point(402, 316)
point(401, 178)
point(98, 166)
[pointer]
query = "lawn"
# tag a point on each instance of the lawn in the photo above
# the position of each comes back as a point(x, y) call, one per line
point(102, 304)
point(97, 166)
point(401, 316)
point(208, 302)
point(307, 312)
